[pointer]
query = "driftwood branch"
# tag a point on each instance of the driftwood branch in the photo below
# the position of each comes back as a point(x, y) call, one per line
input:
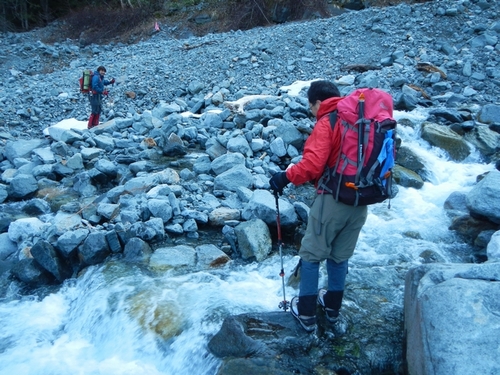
point(187, 46)
point(419, 89)
point(361, 67)
point(426, 67)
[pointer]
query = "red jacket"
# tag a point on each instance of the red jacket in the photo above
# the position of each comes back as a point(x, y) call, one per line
point(321, 148)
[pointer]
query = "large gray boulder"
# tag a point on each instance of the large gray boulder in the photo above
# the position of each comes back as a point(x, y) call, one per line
point(484, 139)
point(493, 247)
point(254, 239)
point(136, 250)
point(7, 246)
point(221, 215)
point(262, 205)
point(70, 240)
point(484, 198)
point(94, 249)
point(287, 132)
point(227, 161)
point(239, 144)
point(407, 178)
point(22, 186)
point(443, 137)
point(489, 113)
point(46, 256)
point(165, 258)
point(24, 229)
point(408, 159)
point(234, 178)
point(451, 318)
point(30, 272)
point(210, 256)
point(22, 148)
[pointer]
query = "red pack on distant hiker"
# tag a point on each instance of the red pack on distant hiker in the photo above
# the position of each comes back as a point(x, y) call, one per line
point(363, 172)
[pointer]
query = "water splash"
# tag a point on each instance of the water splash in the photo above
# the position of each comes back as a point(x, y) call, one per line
point(121, 319)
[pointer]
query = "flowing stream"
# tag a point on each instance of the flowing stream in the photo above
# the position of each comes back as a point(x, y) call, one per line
point(123, 319)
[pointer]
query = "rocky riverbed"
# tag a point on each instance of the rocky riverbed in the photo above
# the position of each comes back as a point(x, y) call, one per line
point(193, 129)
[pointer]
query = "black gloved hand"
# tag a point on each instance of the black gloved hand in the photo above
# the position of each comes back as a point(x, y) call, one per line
point(112, 81)
point(278, 182)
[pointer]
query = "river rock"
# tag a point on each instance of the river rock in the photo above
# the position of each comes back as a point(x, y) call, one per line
point(490, 113)
point(493, 247)
point(456, 204)
point(233, 178)
point(288, 133)
point(227, 161)
point(406, 158)
point(22, 186)
point(136, 250)
point(160, 208)
point(452, 297)
point(230, 94)
point(210, 256)
point(46, 256)
point(254, 239)
point(23, 229)
point(445, 138)
point(70, 240)
point(171, 257)
point(219, 216)
point(262, 205)
point(483, 197)
point(94, 249)
point(484, 139)
point(7, 246)
point(406, 177)
point(469, 227)
point(30, 272)
point(22, 148)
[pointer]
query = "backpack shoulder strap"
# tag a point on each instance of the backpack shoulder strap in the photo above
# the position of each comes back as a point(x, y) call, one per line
point(333, 119)
point(322, 183)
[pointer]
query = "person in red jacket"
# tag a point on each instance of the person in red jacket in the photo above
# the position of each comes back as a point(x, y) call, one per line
point(98, 90)
point(333, 227)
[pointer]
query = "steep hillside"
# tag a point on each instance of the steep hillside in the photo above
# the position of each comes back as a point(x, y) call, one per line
point(131, 25)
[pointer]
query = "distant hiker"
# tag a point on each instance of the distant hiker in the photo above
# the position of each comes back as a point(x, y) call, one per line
point(338, 224)
point(98, 90)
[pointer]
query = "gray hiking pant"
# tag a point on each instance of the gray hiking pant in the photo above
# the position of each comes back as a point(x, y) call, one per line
point(332, 230)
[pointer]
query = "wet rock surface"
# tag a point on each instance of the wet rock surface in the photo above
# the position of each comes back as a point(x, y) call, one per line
point(211, 119)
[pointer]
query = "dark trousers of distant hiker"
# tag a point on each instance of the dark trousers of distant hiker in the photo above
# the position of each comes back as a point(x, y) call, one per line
point(96, 107)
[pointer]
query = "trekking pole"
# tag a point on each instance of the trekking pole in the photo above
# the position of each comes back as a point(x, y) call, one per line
point(283, 304)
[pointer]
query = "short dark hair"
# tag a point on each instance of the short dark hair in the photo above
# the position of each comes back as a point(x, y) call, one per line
point(322, 90)
point(101, 68)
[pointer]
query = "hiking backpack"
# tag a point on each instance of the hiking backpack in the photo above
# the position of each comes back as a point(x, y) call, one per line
point(362, 174)
point(86, 81)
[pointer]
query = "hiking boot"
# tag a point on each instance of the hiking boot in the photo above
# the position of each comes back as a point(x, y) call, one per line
point(91, 122)
point(332, 315)
point(307, 322)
